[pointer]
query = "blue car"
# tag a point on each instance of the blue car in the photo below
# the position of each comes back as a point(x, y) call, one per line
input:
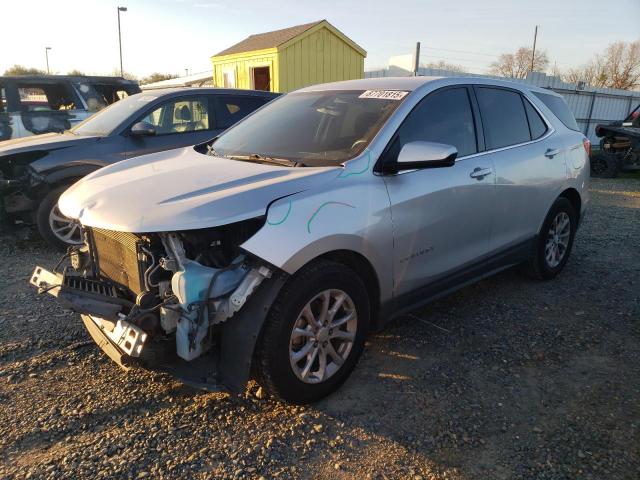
point(35, 170)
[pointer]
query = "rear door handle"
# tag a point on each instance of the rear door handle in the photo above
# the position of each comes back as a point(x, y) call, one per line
point(551, 152)
point(479, 173)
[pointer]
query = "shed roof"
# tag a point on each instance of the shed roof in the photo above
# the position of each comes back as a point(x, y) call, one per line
point(262, 41)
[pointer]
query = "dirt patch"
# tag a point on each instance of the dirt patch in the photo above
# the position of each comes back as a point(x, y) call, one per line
point(509, 378)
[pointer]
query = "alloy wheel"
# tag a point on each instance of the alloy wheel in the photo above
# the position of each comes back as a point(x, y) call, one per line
point(65, 229)
point(557, 239)
point(323, 336)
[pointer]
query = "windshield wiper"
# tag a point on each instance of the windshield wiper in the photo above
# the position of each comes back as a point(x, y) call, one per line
point(256, 157)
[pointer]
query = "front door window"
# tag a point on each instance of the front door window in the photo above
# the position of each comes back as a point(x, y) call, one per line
point(179, 116)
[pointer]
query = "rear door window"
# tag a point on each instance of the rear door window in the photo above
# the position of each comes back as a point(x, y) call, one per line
point(503, 117)
point(537, 126)
point(230, 109)
point(444, 117)
point(559, 108)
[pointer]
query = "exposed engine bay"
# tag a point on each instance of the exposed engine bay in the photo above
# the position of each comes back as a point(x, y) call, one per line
point(159, 299)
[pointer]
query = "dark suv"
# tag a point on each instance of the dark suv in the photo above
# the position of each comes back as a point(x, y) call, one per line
point(35, 170)
point(34, 104)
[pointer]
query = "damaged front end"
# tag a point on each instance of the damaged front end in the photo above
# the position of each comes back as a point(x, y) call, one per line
point(190, 303)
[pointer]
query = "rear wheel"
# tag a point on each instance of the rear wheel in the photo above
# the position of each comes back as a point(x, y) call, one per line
point(554, 241)
point(314, 333)
point(604, 165)
point(53, 226)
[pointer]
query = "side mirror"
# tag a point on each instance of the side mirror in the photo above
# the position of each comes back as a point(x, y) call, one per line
point(420, 154)
point(143, 129)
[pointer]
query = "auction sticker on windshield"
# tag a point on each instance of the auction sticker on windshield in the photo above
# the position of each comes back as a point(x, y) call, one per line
point(384, 94)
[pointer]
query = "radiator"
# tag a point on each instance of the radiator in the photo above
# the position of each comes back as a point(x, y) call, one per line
point(118, 258)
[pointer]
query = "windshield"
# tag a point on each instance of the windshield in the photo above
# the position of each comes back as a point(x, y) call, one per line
point(105, 121)
point(312, 129)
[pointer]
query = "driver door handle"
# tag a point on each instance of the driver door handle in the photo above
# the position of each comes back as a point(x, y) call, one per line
point(551, 152)
point(479, 173)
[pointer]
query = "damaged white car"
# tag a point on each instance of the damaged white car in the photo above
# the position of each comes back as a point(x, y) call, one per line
point(273, 249)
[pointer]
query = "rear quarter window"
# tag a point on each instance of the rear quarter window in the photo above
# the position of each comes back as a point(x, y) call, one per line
point(230, 109)
point(536, 124)
point(559, 108)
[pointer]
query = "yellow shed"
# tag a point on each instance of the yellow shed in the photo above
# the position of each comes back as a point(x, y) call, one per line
point(284, 60)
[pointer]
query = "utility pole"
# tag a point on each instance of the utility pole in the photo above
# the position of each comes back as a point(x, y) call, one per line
point(120, 9)
point(533, 53)
point(416, 66)
point(46, 54)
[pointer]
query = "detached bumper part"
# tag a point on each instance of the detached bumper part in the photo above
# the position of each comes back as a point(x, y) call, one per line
point(79, 294)
point(226, 367)
point(104, 342)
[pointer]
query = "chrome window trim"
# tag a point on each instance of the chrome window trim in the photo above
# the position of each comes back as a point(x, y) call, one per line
point(550, 128)
point(549, 132)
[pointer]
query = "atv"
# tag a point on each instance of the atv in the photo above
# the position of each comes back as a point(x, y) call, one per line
point(619, 147)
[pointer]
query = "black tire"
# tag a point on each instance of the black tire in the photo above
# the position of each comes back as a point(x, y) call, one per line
point(604, 165)
point(538, 266)
point(47, 204)
point(272, 364)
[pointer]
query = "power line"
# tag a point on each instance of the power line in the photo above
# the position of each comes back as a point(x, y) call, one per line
point(472, 53)
point(464, 51)
point(473, 60)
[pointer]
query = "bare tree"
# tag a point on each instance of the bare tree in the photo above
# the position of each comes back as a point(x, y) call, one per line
point(127, 75)
point(518, 64)
point(157, 77)
point(20, 70)
point(617, 67)
point(442, 65)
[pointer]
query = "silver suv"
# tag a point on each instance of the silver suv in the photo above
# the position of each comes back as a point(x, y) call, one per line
point(275, 248)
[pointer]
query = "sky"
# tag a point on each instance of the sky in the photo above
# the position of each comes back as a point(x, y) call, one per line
point(170, 36)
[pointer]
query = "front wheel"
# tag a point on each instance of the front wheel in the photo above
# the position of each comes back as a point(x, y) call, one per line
point(554, 241)
point(54, 227)
point(314, 333)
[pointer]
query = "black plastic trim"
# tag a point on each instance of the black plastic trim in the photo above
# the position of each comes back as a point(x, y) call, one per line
point(457, 279)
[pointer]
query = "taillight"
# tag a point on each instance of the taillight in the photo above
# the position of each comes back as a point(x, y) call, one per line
point(586, 143)
point(598, 131)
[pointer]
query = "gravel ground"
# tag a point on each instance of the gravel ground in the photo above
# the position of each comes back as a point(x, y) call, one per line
point(509, 378)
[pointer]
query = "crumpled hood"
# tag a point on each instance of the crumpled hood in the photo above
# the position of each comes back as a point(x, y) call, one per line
point(46, 141)
point(182, 189)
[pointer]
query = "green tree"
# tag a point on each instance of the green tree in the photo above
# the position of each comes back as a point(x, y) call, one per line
point(76, 73)
point(21, 70)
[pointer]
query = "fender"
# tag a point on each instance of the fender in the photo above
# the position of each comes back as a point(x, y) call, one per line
point(346, 215)
point(74, 171)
